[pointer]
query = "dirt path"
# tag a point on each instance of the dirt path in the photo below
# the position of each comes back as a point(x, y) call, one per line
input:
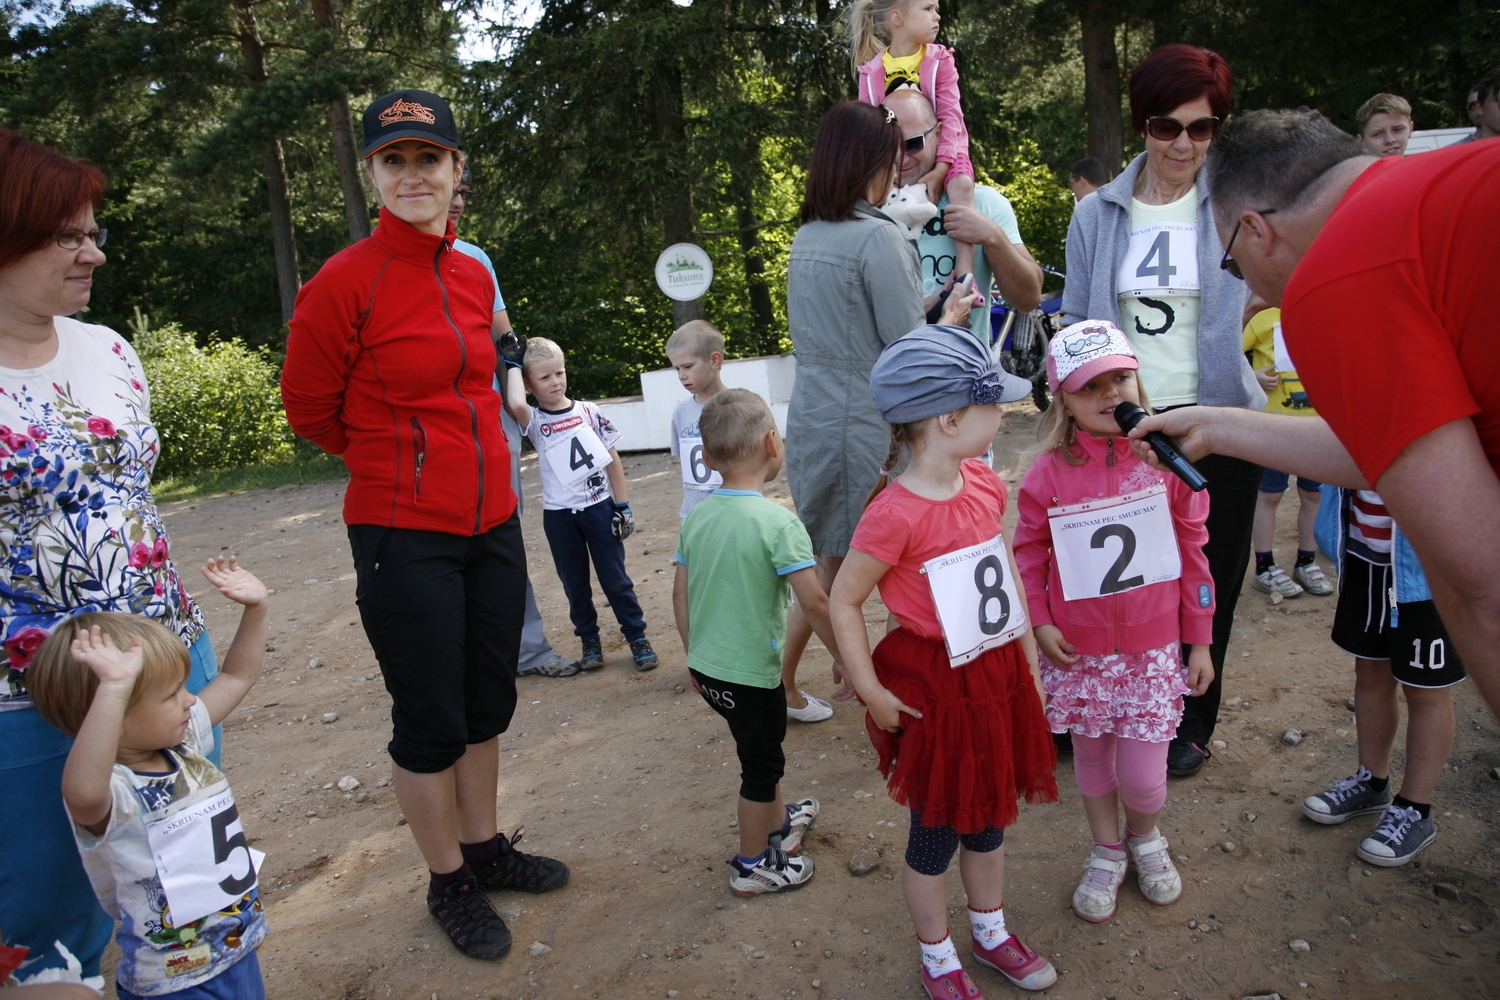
point(631, 781)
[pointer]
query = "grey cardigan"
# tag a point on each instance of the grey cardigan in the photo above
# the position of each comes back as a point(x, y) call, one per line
point(852, 288)
point(1097, 239)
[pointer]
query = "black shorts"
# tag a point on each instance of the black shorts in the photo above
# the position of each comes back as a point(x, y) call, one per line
point(757, 721)
point(1417, 644)
point(443, 614)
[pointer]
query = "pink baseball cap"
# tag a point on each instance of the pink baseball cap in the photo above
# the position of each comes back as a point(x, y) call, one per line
point(1085, 349)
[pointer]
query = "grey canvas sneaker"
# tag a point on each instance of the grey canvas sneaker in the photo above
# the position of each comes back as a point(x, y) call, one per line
point(1348, 798)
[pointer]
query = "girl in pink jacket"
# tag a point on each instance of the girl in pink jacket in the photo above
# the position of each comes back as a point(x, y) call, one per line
point(914, 59)
point(1111, 554)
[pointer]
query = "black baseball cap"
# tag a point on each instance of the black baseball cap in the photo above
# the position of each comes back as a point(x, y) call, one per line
point(409, 114)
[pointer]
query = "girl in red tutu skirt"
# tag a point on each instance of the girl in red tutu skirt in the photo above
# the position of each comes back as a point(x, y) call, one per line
point(1112, 555)
point(954, 697)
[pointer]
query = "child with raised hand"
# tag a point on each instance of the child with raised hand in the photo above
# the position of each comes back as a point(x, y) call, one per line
point(913, 58)
point(736, 558)
point(1111, 552)
point(585, 513)
point(139, 789)
point(954, 699)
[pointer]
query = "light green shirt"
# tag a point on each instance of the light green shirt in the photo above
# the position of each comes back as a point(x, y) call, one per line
point(738, 548)
point(1161, 297)
point(938, 251)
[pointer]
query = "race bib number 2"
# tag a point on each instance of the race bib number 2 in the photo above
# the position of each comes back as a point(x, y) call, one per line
point(695, 471)
point(202, 856)
point(1110, 546)
point(976, 599)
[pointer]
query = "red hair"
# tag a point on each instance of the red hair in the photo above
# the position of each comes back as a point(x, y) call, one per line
point(855, 143)
point(40, 193)
point(1175, 75)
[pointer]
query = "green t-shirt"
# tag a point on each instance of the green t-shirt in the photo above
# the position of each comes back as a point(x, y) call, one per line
point(937, 250)
point(738, 548)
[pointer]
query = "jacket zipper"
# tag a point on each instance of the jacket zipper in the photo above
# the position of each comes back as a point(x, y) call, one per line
point(419, 443)
point(463, 353)
point(1110, 458)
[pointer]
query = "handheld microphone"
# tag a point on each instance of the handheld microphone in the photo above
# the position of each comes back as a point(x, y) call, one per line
point(1127, 415)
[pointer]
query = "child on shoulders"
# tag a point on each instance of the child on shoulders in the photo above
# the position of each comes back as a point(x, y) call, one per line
point(142, 793)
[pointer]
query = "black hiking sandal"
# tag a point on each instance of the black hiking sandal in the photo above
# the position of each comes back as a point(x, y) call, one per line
point(469, 920)
point(514, 870)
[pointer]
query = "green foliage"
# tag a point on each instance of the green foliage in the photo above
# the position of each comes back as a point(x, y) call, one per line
point(1044, 206)
point(217, 407)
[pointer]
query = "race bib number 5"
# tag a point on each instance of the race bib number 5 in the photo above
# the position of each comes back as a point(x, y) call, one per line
point(202, 856)
point(1110, 546)
point(695, 471)
point(976, 599)
point(577, 454)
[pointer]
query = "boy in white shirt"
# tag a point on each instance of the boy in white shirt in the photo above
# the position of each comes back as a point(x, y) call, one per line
point(696, 350)
point(154, 819)
point(585, 513)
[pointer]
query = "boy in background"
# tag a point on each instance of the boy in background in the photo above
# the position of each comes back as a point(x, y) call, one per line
point(1384, 125)
point(736, 557)
point(584, 510)
point(696, 351)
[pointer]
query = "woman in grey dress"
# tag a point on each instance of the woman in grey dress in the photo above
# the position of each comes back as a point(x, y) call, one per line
point(852, 288)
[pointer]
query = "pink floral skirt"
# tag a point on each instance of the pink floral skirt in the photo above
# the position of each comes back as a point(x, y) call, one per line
point(1134, 695)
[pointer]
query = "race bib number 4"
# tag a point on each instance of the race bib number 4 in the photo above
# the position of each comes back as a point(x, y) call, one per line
point(976, 599)
point(202, 857)
point(1110, 546)
point(695, 471)
point(576, 453)
point(1162, 259)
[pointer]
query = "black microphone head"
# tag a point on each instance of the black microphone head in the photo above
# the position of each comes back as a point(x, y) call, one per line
point(1127, 415)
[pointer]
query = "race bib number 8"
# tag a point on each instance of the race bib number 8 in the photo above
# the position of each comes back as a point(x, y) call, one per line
point(1162, 259)
point(576, 455)
point(976, 599)
point(202, 857)
point(1110, 546)
point(695, 471)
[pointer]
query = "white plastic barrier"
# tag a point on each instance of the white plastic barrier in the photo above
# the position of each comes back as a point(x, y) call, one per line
point(1428, 139)
point(645, 421)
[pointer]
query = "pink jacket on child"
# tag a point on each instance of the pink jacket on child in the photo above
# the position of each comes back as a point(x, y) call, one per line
point(1148, 617)
point(938, 80)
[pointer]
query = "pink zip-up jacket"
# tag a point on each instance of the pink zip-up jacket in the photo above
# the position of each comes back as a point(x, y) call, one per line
point(937, 76)
point(1145, 618)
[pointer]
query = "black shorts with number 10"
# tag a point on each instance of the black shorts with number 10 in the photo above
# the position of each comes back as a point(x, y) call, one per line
point(1417, 644)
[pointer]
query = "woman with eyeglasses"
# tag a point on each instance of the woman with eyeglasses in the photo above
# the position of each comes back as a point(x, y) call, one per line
point(853, 286)
point(79, 529)
point(1144, 254)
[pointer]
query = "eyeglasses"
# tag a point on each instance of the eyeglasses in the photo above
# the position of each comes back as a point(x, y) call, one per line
point(73, 238)
point(467, 196)
point(1166, 128)
point(914, 144)
point(1228, 263)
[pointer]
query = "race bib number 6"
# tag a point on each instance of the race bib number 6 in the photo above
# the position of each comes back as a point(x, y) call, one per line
point(202, 856)
point(976, 599)
point(1110, 546)
point(577, 454)
point(695, 471)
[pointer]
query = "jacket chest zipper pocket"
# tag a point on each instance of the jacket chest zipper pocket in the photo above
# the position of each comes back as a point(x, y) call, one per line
point(419, 443)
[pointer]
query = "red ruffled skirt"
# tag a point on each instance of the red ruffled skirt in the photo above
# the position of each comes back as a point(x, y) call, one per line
point(982, 741)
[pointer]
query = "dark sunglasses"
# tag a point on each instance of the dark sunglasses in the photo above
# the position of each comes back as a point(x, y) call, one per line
point(1166, 129)
point(1228, 263)
point(467, 196)
point(914, 144)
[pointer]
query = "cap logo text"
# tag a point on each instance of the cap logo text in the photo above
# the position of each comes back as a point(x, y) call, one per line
point(407, 111)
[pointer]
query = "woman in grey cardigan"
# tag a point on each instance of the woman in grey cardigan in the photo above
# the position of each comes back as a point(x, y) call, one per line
point(852, 288)
point(1143, 253)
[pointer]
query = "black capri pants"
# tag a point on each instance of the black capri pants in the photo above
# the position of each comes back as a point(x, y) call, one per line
point(443, 613)
point(757, 721)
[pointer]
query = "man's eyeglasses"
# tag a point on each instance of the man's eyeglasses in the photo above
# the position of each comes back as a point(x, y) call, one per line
point(914, 144)
point(1167, 129)
point(73, 238)
point(467, 196)
point(1228, 263)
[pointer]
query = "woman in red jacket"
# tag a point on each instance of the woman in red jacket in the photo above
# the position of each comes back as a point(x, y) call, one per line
point(390, 364)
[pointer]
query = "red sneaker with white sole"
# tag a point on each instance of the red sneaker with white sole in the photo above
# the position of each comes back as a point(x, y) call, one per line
point(1018, 963)
point(951, 986)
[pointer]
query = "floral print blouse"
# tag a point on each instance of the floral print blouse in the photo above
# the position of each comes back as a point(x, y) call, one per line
point(79, 529)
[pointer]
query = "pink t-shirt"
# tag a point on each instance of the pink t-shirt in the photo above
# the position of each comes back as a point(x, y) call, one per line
point(905, 530)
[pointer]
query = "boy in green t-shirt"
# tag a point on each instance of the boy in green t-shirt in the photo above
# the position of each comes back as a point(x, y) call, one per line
point(736, 556)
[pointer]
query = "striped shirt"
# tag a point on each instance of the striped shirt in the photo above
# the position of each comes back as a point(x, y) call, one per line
point(1370, 527)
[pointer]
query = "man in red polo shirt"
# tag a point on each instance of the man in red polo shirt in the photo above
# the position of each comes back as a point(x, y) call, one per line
point(1385, 272)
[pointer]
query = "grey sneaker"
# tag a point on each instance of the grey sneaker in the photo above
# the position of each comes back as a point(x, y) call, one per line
point(1312, 580)
point(1401, 834)
point(556, 665)
point(1275, 581)
point(1348, 798)
point(593, 654)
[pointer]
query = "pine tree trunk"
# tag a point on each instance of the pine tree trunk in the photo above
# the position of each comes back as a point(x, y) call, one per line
point(743, 171)
point(345, 150)
point(677, 207)
point(1101, 84)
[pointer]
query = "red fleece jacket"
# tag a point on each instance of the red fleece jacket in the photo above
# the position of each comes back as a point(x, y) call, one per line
point(389, 363)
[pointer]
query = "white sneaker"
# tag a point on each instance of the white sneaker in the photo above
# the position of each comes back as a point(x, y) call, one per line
point(776, 872)
point(1275, 581)
point(1103, 874)
point(816, 710)
point(1154, 871)
point(1312, 579)
point(801, 815)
